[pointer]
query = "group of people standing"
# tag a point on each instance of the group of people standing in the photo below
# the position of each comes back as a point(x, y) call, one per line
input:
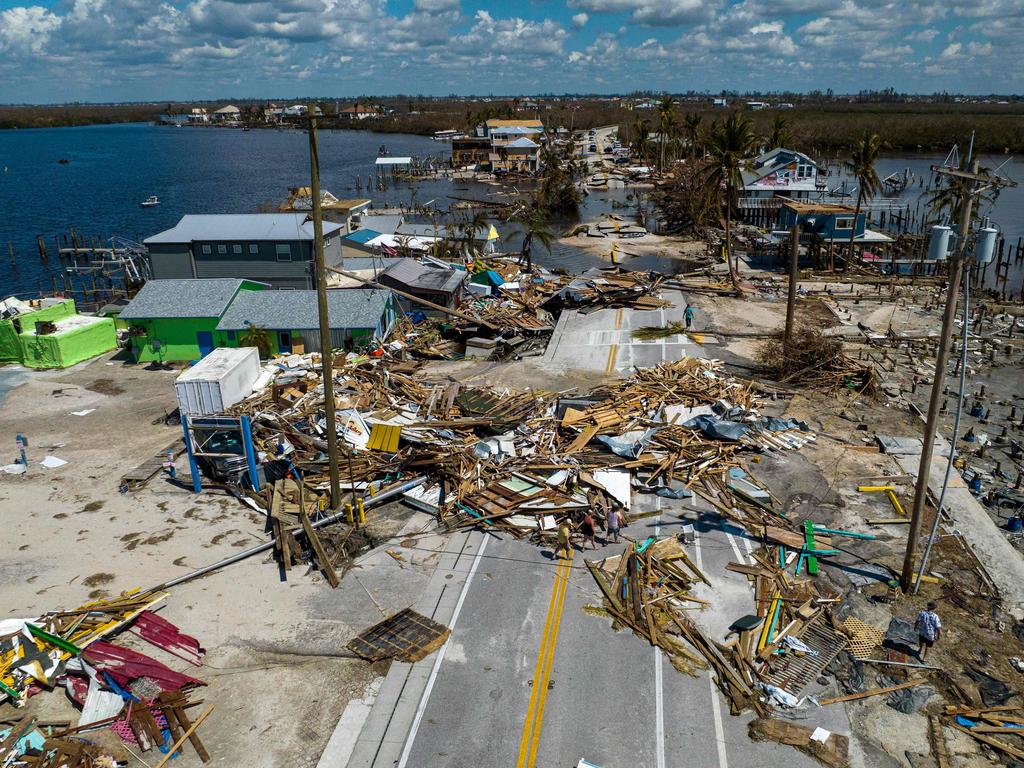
point(587, 528)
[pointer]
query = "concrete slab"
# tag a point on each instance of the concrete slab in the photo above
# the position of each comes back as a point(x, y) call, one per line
point(603, 339)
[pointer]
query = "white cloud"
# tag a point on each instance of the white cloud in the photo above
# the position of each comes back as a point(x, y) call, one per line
point(27, 29)
point(952, 50)
point(653, 13)
point(580, 20)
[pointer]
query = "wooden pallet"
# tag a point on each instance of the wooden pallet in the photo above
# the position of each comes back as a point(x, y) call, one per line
point(142, 474)
point(864, 638)
point(794, 673)
point(407, 636)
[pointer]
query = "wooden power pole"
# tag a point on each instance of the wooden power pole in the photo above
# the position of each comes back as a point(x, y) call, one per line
point(326, 355)
point(974, 183)
point(794, 258)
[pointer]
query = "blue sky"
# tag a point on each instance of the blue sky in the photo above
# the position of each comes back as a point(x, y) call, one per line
point(117, 50)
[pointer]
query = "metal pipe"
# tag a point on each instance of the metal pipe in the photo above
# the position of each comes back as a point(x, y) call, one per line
point(372, 502)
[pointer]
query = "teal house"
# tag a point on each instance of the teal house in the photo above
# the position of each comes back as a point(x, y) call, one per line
point(186, 319)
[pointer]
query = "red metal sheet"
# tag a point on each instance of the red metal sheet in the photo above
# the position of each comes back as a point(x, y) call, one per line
point(163, 634)
point(125, 665)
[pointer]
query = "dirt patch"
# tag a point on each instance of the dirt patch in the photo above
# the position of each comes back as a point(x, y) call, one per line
point(93, 506)
point(97, 579)
point(105, 387)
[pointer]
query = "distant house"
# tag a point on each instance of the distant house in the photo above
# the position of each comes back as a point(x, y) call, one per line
point(436, 285)
point(357, 112)
point(300, 200)
point(50, 333)
point(781, 172)
point(471, 151)
point(758, 104)
point(719, 102)
point(227, 114)
point(272, 114)
point(291, 318)
point(176, 320)
point(275, 248)
point(514, 144)
point(199, 115)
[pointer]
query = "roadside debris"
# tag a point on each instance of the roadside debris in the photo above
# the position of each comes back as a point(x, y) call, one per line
point(136, 697)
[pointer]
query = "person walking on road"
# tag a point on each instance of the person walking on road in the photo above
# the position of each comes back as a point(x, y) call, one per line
point(614, 524)
point(929, 630)
point(563, 538)
point(688, 316)
point(587, 528)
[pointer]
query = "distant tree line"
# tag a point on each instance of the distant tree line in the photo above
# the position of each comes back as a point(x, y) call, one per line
point(821, 124)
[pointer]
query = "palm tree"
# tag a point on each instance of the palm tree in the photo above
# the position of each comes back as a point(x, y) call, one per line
point(691, 124)
point(729, 143)
point(256, 336)
point(667, 125)
point(861, 166)
point(945, 200)
point(536, 221)
point(779, 135)
point(641, 137)
point(473, 224)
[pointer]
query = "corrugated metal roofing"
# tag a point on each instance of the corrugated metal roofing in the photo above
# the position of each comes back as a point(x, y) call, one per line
point(183, 298)
point(385, 223)
point(523, 143)
point(362, 235)
point(241, 227)
point(297, 310)
point(415, 275)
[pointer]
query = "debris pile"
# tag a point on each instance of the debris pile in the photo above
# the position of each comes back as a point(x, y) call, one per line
point(130, 701)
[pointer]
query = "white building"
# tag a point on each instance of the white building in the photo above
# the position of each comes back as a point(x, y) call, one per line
point(782, 173)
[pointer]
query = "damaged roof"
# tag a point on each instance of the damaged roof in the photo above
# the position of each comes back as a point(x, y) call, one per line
point(297, 310)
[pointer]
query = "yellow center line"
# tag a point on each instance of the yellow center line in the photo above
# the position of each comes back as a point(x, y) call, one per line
point(540, 673)
point(618, 318)
point(535, 739)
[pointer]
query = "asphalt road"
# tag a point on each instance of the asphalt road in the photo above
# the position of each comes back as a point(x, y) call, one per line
point(520, 621)
point(610, 698)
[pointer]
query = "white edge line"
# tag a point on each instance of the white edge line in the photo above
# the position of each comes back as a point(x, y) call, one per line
point(440, 657)
point(659, 693)
point(716, 708)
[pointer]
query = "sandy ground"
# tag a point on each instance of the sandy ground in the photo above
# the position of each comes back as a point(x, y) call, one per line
point(648, 245)
point(275, 664)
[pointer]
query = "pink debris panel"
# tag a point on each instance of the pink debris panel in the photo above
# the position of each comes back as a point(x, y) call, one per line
point(163, 634)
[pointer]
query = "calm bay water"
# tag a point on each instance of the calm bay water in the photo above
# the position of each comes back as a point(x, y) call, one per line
point(111, 169)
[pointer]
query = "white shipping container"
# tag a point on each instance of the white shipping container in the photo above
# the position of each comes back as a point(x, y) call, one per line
point(218, 381)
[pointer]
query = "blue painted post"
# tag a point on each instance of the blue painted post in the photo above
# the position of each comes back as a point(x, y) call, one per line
point(197, 484)
point(250, 453)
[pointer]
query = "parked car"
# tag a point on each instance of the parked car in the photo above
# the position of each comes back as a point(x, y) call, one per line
point(592, 148)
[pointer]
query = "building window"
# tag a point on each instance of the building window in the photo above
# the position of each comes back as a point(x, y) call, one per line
point(237, 249)
point(284, 251)
point(207, 250)
point(231, 335)
point(222, 250)
point(254, 249)
point(327, 242)
point(844, 222)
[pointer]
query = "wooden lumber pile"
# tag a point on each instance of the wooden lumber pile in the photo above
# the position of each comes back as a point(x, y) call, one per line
point(647, 589)
point(1000, 728)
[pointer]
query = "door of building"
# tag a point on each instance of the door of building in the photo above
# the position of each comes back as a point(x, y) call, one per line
point(284, 342)
point(205, 341)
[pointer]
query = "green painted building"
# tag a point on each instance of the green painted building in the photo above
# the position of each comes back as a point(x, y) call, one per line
point(182, 320)
point(52, 334)
point(176, 320)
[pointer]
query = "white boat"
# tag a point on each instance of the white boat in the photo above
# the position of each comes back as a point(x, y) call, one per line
point(150, 201)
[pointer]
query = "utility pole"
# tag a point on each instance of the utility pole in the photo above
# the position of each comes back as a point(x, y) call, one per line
point(974, 183)
point(326, 355)
point(794, 257)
